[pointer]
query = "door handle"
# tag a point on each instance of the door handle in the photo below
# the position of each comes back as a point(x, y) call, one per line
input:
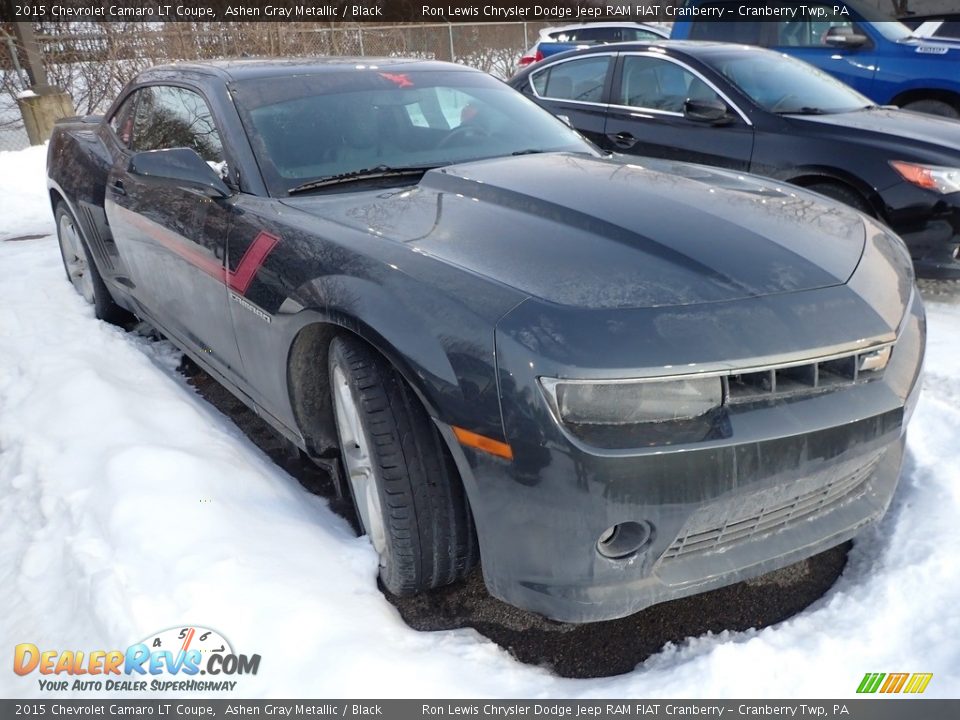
point(623, 140)
point(116, 187)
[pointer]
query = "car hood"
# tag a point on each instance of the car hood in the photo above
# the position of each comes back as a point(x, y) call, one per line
point(897, 129)
point(598, 232)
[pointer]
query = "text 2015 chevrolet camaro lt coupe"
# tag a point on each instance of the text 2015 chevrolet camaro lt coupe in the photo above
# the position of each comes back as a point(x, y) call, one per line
point(615, 383)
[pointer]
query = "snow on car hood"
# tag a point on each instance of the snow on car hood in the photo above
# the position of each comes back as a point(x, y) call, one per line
point(603, 233)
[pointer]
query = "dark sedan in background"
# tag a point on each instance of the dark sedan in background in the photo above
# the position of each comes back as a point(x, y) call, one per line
point(750, 109)
point(613, 384)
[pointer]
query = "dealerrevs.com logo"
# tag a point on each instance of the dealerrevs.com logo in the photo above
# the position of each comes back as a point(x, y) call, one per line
point(170, 660)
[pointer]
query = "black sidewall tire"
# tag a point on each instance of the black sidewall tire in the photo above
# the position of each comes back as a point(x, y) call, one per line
point(939, 108)
point(103, 304)
point(429, 527)
point(843, 194)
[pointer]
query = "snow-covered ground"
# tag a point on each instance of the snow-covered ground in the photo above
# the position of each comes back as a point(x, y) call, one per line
point(129, 505)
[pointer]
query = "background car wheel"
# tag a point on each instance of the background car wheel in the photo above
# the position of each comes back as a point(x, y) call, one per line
point(844, 194)
point(933, 107)
point(82, 271)
point(405, 486)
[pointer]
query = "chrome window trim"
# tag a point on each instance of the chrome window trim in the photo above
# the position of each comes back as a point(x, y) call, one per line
point(556, 63)
point(696, 73)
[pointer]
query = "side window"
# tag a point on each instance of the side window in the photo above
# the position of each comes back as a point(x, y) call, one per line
point(810, 33)
point(631, 34)
point(655, 84)
point(580, 80)
point(590, 34)
point(173, 117)
point(122, 120)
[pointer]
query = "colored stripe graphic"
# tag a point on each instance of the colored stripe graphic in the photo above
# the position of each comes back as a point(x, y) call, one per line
point(918, 683)
point(894, 682)
point(238, 280)
point(870, 682)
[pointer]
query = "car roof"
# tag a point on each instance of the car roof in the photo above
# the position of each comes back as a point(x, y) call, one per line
point(694, 48)
point(247, 68)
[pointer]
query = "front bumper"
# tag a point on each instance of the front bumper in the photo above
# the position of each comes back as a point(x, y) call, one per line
point(792, 479)
point(929, 224)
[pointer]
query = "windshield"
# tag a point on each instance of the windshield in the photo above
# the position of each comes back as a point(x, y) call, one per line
point(313, 127)
point(783, 84)
point(892, 30)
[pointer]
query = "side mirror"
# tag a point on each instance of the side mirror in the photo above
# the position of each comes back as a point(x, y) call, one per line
point(706, 111)
point(178, 167)
point(844, 37)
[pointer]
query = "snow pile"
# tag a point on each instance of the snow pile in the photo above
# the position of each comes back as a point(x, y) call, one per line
point(24, 207)
point(129, 505)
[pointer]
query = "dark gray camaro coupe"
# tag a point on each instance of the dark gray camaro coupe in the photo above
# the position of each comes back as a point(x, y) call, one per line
point(614, 382)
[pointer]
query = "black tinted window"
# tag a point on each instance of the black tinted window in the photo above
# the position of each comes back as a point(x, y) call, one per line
point(607, 34)
point(655, 84)
point(580, 80)
point(631, 34)
point(950, 29)
point(122, 120)
point(173, 117)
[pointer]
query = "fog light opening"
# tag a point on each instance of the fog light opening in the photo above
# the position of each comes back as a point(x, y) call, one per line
point(625, 539)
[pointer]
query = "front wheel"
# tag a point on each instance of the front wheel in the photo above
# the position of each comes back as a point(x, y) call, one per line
point(844, 194)
point(934, 107)
point(406, 489)
point(82, 271)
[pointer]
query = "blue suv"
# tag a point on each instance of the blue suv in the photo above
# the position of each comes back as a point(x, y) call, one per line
point(881, 59)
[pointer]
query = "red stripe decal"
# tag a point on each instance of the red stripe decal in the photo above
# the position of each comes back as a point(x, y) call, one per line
point(238, 280)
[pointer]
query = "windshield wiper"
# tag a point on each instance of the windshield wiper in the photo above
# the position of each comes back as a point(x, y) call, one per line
point(374, 173)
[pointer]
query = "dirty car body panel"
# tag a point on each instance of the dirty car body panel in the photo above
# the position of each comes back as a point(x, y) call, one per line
point(503, 286)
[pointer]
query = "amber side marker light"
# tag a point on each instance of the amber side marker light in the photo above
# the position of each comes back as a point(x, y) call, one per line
point(480, 442)
point(915, 174)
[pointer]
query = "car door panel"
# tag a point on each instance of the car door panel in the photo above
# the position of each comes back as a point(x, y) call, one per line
point(174, 239)
point(646, 116)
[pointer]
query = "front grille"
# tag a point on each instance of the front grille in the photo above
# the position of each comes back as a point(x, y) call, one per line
point(768, 514)
point(807, 377)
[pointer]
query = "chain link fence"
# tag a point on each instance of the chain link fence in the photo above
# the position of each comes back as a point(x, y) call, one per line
point(92, 61)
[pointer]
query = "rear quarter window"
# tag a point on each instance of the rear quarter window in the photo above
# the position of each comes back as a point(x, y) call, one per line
point(581, 80)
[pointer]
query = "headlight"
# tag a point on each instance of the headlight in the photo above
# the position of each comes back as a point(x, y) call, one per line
point(930, 177)
point(632, 402)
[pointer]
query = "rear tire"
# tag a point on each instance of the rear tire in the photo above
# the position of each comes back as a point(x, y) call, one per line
point(404, 483)
point(934, 107)
point(844, 194)
point(81, 269)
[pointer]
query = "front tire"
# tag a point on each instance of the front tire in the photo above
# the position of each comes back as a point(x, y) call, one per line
point(844, 194)
point(406, 489)
point(934, 107)
point(82, 270)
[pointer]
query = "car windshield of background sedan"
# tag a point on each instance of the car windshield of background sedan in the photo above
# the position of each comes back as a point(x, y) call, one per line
point(313, 131)
point(783, 85)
